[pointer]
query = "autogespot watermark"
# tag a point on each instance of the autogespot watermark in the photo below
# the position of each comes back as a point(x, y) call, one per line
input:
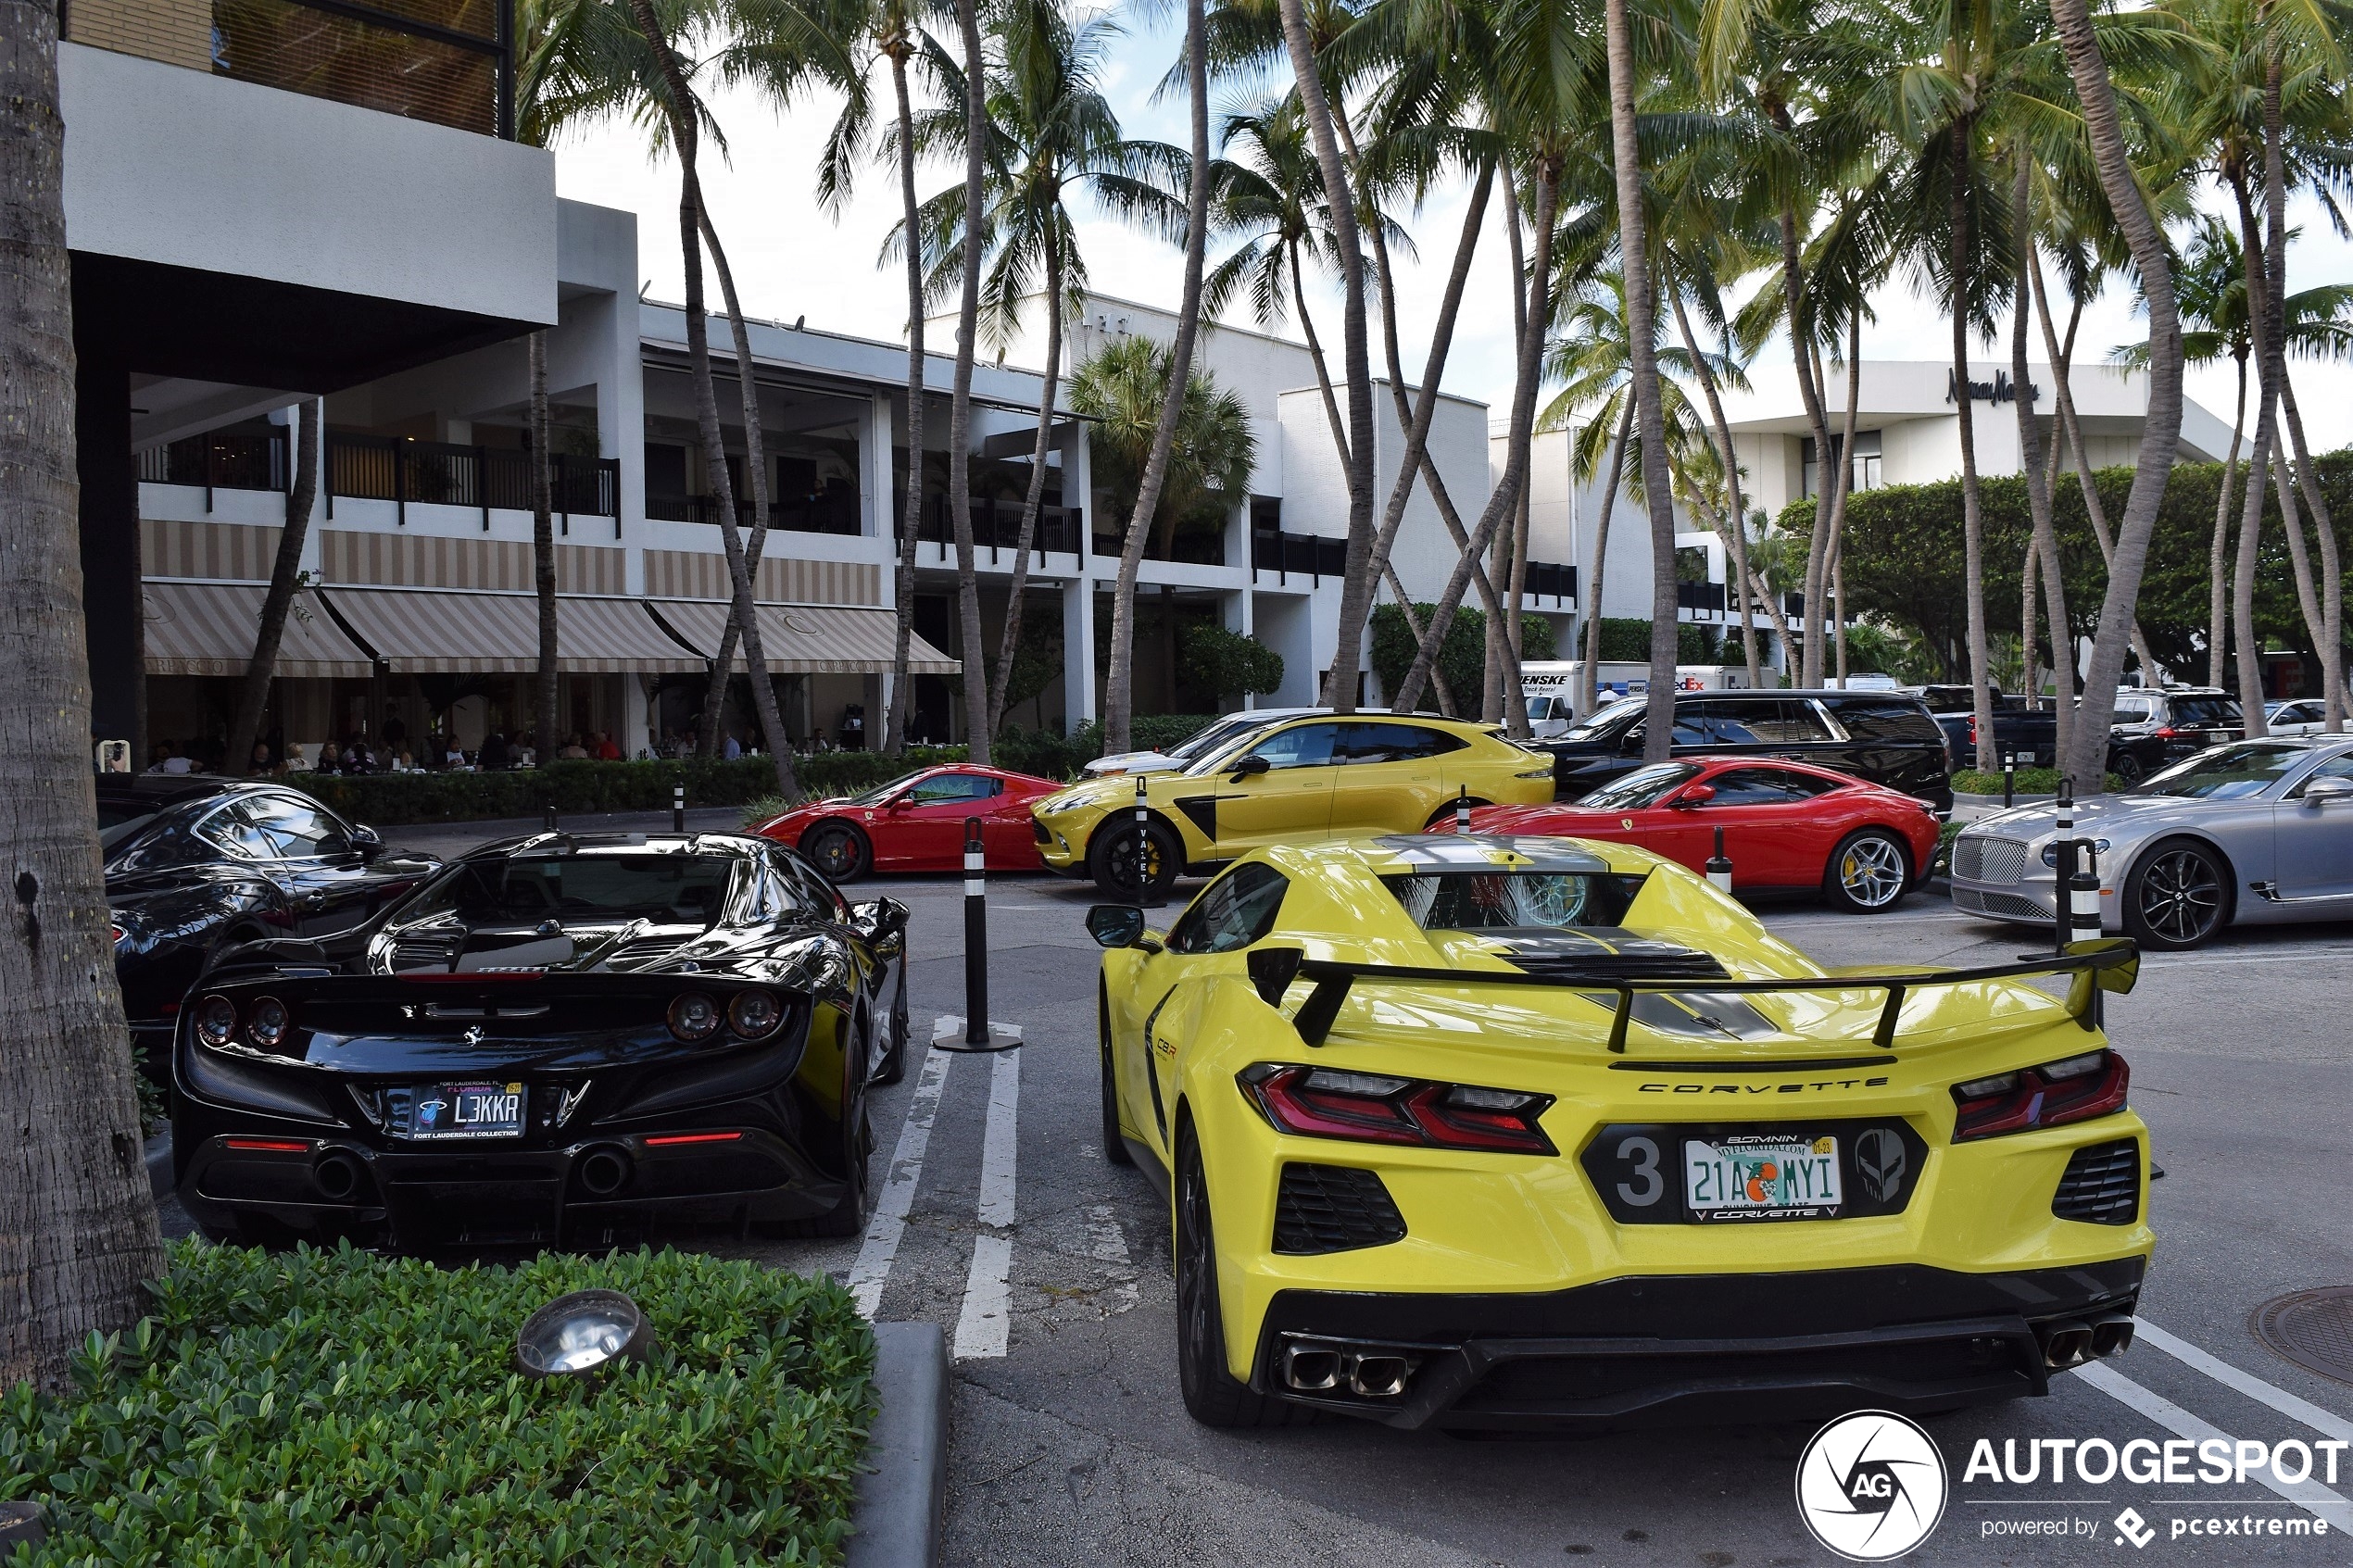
point(1871, 1486)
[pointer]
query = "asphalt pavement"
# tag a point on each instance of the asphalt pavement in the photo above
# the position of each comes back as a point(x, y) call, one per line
point(1048, 1269)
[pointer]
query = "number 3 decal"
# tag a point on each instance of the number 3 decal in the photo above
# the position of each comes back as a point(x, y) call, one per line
point(1644, 1153)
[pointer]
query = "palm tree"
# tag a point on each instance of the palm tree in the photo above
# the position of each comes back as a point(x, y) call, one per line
point(892, 31)
point(682, 111)
point(2043, 557)
point(285, 577)
point(1119, 681)
point(78, 1238)
point(959, 401)
point(1052, 133)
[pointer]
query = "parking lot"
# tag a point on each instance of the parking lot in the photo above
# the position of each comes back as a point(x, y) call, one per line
point(1050, 1269)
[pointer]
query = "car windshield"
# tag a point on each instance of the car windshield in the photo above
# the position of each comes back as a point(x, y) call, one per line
point(1643, 786)
point(1606, 718)
point(883, 792)
point(1514, 900)
point(1209, 735)
point(115, 823)
point(2205, 711)
point(2227, 772)
point(587, 887)
point(1539, 707)
point(1213, 758)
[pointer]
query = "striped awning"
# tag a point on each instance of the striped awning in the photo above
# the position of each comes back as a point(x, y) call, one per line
point(209, 629)
point(429, 632)
point(810, 639)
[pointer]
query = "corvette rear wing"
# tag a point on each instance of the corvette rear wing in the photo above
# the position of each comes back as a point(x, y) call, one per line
point(2106, 964)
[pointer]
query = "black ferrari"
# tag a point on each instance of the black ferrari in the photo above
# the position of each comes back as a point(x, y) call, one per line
point(561, 1039)
point(194, 864)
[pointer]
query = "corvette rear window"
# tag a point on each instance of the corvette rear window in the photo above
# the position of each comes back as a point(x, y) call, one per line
point(1514, 900)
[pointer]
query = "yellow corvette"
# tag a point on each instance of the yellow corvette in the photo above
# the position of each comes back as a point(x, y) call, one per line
point(1300, 782)
point(1539, 1134)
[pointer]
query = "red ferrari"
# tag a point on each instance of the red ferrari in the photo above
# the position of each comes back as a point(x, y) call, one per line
point(1787, 826)
point(916, 823)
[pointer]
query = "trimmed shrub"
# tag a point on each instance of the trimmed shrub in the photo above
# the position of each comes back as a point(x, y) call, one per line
point(1462, 657)
point(2030, 781)
point(392, 799)
point(337, 1408)
point(1227, 663)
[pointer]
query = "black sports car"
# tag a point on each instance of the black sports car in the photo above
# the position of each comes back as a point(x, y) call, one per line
point(195, 863)
point(554, 1039)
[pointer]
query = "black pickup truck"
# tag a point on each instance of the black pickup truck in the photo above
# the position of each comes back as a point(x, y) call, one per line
point(2032, 735)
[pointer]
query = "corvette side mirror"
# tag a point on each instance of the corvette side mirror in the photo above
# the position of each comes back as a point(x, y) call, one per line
point(1115, 925)
point(1698, 795)
point(1250, 767)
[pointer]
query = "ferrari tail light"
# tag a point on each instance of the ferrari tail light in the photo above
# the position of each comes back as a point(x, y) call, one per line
point(216, 1020)
point(695, 1018)
point(1319, 1102)
point(754, 1014)
point(2074, 1088)
point(266, 1025)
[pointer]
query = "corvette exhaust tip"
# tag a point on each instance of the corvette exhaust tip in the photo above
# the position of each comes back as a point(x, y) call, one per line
point(2066, 1345)
point(1310, 1370)
point(2112, 1336)
point(1373, 1372)
point(1380, 1377)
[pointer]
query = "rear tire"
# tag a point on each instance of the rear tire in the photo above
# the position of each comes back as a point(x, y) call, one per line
point(837, 849)
point(1114, 1141)
point(1870, 871)
point(2178, 897)
point(893, 1066)
point(848, 1216)
point(1212, 1395)
point(2127, 769)
point(1129, 870)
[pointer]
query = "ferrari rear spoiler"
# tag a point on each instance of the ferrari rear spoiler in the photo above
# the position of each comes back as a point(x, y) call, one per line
point(2105, 964)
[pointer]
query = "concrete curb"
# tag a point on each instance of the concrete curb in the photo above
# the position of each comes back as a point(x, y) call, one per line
point(902, 1501)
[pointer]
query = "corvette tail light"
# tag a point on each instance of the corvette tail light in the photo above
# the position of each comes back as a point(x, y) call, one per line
point(216, 1020)
point(1319, 1102)
point(2076, 1088)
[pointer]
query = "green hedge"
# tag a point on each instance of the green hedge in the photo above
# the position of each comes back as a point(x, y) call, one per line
point(337, 1408)
point(392, 799)
point(2030, 781)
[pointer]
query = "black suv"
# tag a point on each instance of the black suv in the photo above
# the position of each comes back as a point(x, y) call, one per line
point(1886, 738)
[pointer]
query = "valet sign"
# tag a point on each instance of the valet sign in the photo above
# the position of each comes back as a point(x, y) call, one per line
point(1871, 1486)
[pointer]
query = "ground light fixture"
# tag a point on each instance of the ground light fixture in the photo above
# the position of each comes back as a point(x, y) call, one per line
point(588, 1331)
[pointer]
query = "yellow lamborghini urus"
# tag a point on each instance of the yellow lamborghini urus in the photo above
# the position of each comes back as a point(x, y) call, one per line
point(1536, 1132)
point(1298, 783)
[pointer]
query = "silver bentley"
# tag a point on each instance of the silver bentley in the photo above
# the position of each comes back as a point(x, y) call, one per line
point(2255, 832)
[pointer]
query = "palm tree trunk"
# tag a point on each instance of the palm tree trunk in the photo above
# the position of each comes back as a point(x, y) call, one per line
point(1810, 392)
point(2161, 425)
point(959, 406)
point(1842, 485)
point(1414, 624)
point(2044, 547)
point(1972, 502)
point(1011, 642)
point(2217, 615)
point(683, 132)
point(543, 553)
point(755, 471)
point(1736, 537)
point(902, 685)
point(1614, 467)
point(2331, 564)
point(78, 1237)
point(1119, 681)
point(2250, 646)
point(1505, 497)
point(285, 578)
point(1357, 588)
point(2026, 649)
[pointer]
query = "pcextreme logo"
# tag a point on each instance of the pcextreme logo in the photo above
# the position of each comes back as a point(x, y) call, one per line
point(1871, 1486)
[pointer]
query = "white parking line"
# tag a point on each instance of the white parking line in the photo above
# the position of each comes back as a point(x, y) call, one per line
point(2307, 1494)
point(982, 1327)
point(889, 1221)
point(1110, 1246)
point(2233, 960)
point(2325, 1422)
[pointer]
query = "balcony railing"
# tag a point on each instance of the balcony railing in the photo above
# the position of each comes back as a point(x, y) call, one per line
point(822, 514)
point(997, 525)
point(1298, 555)
point(1549, 580)
point(1702, 597)
point(384, 468)
point(219, 460)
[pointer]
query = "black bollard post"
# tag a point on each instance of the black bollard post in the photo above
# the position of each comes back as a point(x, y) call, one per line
point(2083, 894)
point(547, 818)
point(678, 807)
point(1145, 896)
point(1720, 867)
point(2063, 884)
point(2009, 780)
point(975, 935)
point(1462, 809)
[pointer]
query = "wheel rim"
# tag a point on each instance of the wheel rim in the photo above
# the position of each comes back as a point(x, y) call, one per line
point(1195, 1299)
point(2180, 897)
point(1871, 871)
point(836, 852)
point(1134, 861)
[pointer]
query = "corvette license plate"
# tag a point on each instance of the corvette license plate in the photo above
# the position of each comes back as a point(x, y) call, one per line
point(1761, 1178)
point(433, 1112)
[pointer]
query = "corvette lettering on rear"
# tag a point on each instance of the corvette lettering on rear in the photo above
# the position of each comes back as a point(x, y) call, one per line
point(1821, 1086)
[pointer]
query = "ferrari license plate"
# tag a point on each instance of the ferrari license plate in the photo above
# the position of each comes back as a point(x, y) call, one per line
point(433, 1112)
point(1761, 1178)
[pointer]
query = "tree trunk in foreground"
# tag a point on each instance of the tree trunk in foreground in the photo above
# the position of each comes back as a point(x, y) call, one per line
point(77, 1224)
point(285, 579)
point(902, 685)
point(755, 471)
point(960, 404)
point(1010, 643)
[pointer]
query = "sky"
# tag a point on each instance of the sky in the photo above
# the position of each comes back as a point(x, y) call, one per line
point(792, 258)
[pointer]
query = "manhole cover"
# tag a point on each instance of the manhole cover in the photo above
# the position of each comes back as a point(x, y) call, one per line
point(2312, 1329)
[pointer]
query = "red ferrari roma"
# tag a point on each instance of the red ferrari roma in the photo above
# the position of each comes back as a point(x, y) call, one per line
point(1787, 826)
point(916, 823)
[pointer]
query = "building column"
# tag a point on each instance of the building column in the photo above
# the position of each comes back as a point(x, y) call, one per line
point(1078, 651)
point(635, 717)
point(114, 615)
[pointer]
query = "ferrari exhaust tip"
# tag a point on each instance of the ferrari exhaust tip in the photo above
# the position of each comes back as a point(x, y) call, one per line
point(1310, 1369)
point(604, 1171)
point(2066, 1345)
point(337, 1176)
point(2112, 1336)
